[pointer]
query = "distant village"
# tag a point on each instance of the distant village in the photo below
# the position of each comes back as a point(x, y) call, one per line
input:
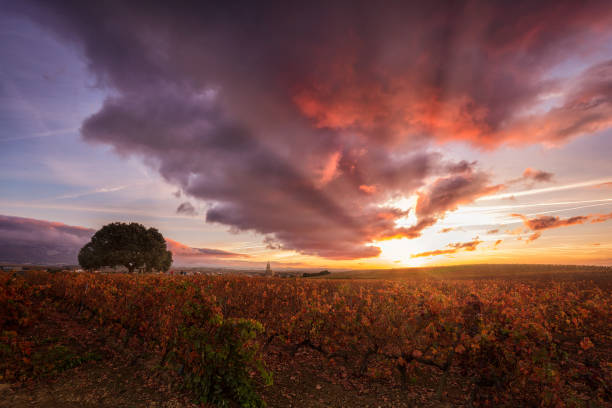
point(183, 271)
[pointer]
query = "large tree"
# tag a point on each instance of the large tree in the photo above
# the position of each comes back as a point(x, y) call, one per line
point(130, 245)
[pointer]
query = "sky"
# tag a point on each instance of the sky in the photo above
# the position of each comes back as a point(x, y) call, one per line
point(320, 135)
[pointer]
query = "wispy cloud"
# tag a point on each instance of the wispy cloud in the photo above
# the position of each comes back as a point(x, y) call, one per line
point(90, 192)
point(94, 209)
point(531, 176)
point(48, 133)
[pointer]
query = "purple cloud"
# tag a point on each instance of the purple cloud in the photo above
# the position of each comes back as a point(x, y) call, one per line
point(28, 240)
point(300, 122)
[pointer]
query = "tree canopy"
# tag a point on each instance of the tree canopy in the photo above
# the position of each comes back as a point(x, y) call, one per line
point(130, 245)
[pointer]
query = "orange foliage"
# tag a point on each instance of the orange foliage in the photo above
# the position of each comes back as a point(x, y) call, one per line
point(517, 343)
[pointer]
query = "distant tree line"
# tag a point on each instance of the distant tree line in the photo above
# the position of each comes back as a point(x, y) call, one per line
point(314, 274)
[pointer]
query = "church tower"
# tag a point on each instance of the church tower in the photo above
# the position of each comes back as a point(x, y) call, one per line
point(269, 270)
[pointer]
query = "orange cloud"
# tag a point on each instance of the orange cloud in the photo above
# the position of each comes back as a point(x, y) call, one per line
point(601, 218)
point(330, 169)
point(183, 253)
point(533, 237)
point(545, 222)
point(367, 189)
point(391, 109)
point(452, 248)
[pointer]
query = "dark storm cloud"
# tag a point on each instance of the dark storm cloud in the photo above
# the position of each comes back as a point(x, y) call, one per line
point(301, 120)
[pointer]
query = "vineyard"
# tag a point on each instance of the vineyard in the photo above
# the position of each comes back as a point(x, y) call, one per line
point(486, 342)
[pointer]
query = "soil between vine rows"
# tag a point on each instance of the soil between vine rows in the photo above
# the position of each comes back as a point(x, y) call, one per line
point(123, 376)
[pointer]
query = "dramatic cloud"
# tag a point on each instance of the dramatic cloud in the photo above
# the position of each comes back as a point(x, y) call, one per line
point(452, 248)
point(300, 121)
point(479, 72)
point(27, 240)
point(186, 208)
point(587, 108)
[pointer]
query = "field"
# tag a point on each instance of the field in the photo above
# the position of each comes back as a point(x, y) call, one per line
point(464, 336)
point(601, 275)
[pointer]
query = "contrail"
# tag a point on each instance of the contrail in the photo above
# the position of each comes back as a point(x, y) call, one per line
point(69, 207)
point(546, 190)
point(566, 209)
point(90, 192)
point(494, 208)
point(48, 133)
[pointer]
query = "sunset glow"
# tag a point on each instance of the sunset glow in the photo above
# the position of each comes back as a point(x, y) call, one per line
point(367, 137)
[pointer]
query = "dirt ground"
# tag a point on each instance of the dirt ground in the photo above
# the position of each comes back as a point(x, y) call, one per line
point(121, 376)
point(121, 385)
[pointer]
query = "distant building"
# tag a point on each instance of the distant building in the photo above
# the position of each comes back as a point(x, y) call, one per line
point(10, 268)
point(269, 270)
